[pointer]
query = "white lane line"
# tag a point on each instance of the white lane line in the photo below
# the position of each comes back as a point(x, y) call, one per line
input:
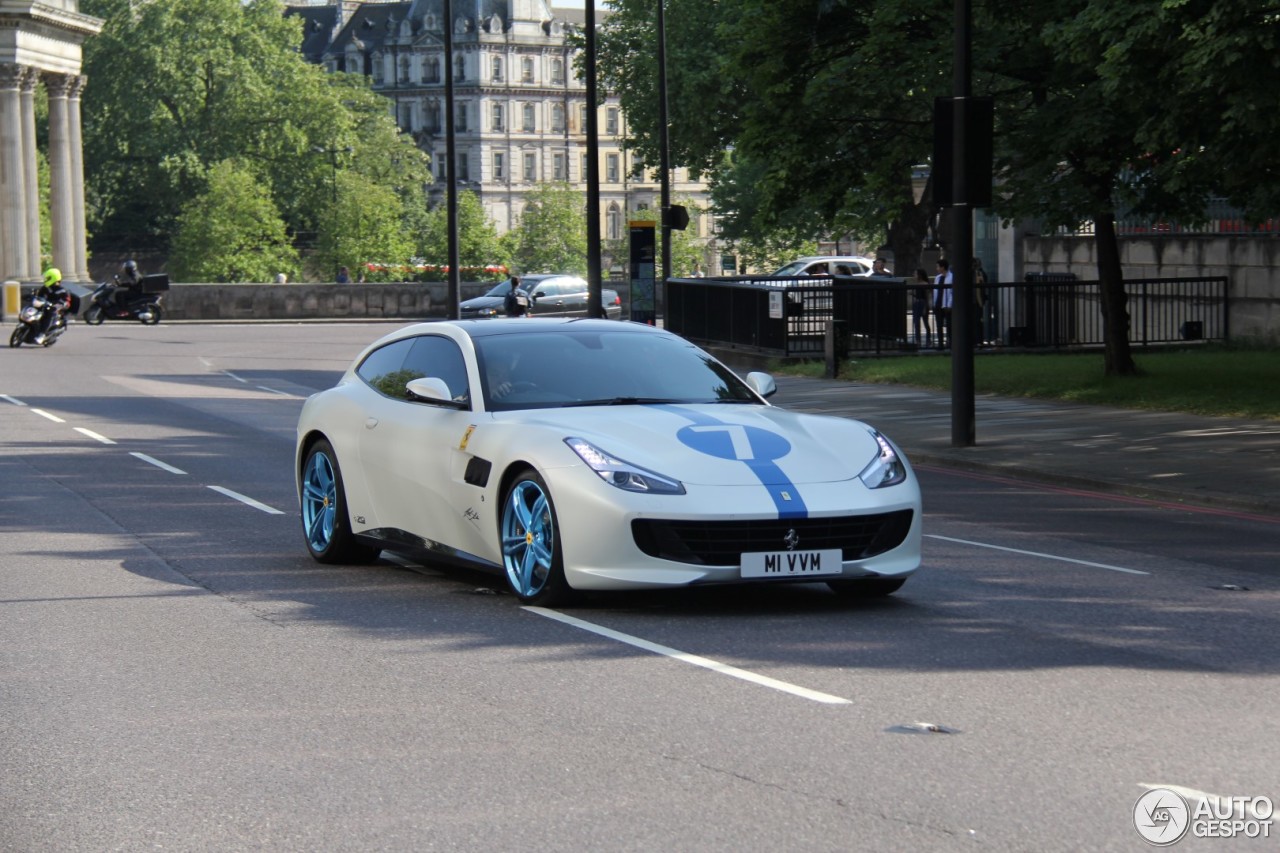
point(274, 391)
point(1198, 796)
point(1037, 554)
point(42, 413)
point(245, 499)
point(236, 378)
point(706, 663)
point(13, 400)
point(151, 460)
point(95, 436)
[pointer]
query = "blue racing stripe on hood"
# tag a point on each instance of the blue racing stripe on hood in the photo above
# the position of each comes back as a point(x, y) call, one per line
point(752, 446)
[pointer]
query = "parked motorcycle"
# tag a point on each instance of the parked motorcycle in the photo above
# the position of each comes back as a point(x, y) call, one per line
point(111, 301)
point(31, 319)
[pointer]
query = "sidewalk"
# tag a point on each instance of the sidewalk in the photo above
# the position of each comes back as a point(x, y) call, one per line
point(1229, 463)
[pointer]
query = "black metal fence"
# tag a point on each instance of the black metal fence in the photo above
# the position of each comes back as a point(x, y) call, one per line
point(790, 317)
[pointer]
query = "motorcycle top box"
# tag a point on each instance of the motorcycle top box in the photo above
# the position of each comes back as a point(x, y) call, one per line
point(155, 283)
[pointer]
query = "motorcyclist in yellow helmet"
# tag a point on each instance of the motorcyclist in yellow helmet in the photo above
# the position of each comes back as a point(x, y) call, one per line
point(59, 300)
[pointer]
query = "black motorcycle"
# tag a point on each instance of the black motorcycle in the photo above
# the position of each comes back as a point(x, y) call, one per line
point(113, 301)
point(32, 316)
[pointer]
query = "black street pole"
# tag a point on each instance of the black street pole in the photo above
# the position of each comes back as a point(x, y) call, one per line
point(595, 306)
point(664, 149)
point(451, 167)
point(963, 427)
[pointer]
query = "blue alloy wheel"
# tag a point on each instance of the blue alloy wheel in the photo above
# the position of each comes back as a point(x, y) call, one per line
point(325, 525)
point(530, 546)
point(319, 501)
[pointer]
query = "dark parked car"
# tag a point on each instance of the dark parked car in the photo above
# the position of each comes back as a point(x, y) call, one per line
point(553, 296)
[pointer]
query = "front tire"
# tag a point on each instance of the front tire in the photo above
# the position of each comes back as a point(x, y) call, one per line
point(326, 528)
point(868, 588)
point(530, 534)
point(94, 316)
point(19, 335)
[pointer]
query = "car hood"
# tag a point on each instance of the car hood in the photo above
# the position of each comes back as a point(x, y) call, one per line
point(717, 444)
point(481, 302)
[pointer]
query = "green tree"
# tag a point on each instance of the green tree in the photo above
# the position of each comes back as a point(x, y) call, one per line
point(552, 234)
point(363, 226)
point(232, 231)
point(180, 85)
point(478, 242)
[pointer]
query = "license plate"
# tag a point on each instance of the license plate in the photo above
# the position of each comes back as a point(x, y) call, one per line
point(791, 564)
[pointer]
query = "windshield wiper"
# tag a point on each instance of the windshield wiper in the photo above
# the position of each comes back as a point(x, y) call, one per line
point(623, 401)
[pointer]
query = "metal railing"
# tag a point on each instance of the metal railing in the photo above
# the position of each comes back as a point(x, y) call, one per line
point(790, 317)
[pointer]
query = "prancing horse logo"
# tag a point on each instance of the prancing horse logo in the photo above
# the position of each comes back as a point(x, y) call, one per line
point(792, 539)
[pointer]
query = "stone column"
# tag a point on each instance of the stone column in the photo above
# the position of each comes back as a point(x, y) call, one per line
point(77, 177)
point(61, 203)
point(32, 185)
point(13, 217)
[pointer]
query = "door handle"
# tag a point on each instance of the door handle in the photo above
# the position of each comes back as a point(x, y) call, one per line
point(370, 423)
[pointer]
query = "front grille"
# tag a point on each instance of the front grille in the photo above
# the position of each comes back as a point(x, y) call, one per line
point(721, 543)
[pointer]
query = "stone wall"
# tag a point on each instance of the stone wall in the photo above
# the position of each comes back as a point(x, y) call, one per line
point(1251, 265)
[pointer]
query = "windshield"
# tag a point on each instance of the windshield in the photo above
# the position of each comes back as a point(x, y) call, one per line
point(582, 368)
point(499, 289)
point(793, 268)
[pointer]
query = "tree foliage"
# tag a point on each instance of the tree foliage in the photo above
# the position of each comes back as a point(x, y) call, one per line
point(364, 225)
point(552, 234)
point(232, 231)
point(178, 86)
point(478, 242)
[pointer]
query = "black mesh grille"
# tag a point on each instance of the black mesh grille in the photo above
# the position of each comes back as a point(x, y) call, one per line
point(721, 543)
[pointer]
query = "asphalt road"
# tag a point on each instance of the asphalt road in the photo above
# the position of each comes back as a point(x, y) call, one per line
point(176, 673)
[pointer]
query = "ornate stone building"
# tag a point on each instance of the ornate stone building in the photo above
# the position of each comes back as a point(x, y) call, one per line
point(519, 108)
point(41, 42)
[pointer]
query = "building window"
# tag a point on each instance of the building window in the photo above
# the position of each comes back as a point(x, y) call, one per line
point(611, 121)
point(497, 117)
point(637, 167)
point(495, 71)
point(530, 166)
point(557, 118)
point(611, 168)
point(404, 69)
point(613, 223)
point(499, 166)
point(377, 69)
point(431, 69)
point(405, 117)
point(460, 68)
point(526, 69)
point(582, 175)
point(460, 117)
point(526, 118)
point(583, 117)
point(464, 166)
point(557, 71)
point(558, 167)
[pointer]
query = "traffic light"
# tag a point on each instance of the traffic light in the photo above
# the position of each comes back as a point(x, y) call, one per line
point(676, 217)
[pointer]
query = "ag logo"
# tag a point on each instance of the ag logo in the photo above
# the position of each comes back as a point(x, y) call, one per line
point(1161, 817)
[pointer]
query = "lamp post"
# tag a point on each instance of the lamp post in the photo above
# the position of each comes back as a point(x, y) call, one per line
point(333, 151)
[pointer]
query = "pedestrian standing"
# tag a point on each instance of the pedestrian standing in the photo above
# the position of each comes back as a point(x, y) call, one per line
point(942, 297)
point(920, 310)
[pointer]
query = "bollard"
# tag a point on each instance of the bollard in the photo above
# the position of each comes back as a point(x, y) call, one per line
point(829, 351)
point(12, 303)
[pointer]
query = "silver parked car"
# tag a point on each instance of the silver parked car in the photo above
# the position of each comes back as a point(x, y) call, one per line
point(553, 295)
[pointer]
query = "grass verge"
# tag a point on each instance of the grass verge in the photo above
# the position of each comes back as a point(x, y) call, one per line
point(1206, 380)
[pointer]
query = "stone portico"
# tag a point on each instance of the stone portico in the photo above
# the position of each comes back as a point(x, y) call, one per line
point(40, 41)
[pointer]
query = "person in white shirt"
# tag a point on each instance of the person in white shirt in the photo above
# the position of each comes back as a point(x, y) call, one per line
point(942, 295)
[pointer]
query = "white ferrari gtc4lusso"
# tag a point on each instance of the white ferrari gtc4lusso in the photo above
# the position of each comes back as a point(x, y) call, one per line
point(575, 455)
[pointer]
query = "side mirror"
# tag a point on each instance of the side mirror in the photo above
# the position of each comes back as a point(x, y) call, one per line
point(762, 384)
point(429, 388)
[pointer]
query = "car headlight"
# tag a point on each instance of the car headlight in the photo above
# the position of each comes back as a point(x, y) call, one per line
point(886, 469)
point(624, 475)
point(488, 312)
